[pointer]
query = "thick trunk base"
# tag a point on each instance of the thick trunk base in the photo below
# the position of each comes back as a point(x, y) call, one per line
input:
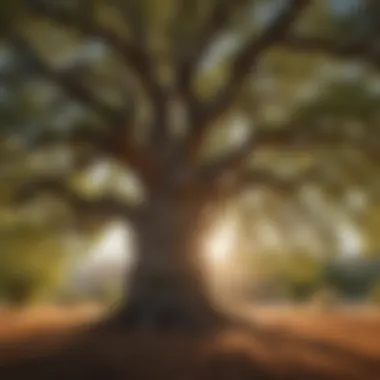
point(168, 308)
point(172, 318)
point(168, 289)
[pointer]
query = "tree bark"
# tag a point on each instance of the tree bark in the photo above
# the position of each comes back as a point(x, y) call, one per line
point(168, 287)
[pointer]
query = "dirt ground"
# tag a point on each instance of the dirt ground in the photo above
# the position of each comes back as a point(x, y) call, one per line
point(283, 343)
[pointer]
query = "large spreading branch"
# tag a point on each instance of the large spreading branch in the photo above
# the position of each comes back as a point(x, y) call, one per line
point(114, 141)
point(294, 135)
point(132, 12)
point(104, 206)
point(134, 56)
point(188, 65)
point(301, 136)
point(241, 68)
point(284, 185)
point(361, 50)
point(67, 81)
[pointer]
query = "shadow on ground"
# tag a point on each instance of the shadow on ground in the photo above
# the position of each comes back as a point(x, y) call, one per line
point(246, 352)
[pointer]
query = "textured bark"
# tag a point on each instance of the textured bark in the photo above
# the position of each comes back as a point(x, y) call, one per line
point(168, 288)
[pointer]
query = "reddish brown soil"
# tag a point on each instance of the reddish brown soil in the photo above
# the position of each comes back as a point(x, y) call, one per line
point(51, 343)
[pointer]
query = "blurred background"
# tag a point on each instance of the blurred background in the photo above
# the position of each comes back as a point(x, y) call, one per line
point(309, 234)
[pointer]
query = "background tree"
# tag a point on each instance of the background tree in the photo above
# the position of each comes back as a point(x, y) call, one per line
point(152, 90)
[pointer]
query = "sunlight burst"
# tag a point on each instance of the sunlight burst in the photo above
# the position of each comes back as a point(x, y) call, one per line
point(220, 244)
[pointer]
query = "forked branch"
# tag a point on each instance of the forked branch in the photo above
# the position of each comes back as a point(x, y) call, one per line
point(115, 140)
point(67, 81)
point(241, 68)
point(134, 56)
point(213, 27)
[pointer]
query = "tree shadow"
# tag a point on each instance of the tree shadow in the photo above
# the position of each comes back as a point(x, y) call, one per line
point(274, 337)
point(101, 354)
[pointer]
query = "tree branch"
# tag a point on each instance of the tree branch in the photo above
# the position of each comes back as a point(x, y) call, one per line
point(104, 206)
point(244, 62)
point(229, 163)
point(132, 13)
point(290, 136)
point(300, 136)
point(188, 65)
point(358, 50)
point(138, 60)
point(281, 184)
point(115, 140)
point(68, 82)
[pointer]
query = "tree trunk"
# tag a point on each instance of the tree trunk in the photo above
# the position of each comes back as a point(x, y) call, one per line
point(168, 288)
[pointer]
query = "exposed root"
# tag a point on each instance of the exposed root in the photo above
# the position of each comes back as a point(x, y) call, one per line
point(167, 317)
